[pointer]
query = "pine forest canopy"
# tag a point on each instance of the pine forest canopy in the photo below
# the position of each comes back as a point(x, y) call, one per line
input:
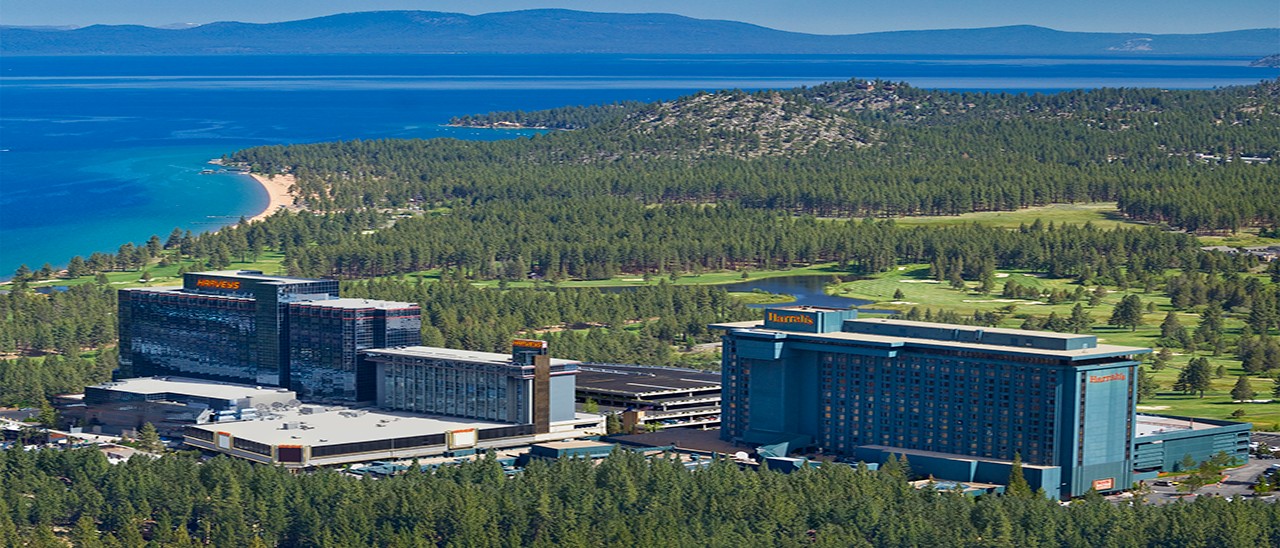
point(624, 500)
point(645, 186)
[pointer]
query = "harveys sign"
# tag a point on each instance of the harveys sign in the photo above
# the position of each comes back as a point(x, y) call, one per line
point(529, 343)
point(214, 283)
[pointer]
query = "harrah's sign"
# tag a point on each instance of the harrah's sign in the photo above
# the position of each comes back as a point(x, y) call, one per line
point(1107, 378)
point(790, 318)
point(211, 283)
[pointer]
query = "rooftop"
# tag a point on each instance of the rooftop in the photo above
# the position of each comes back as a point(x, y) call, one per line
point(574, 444)
point(956, 456)
point(807, 308)
point(178, 290)
point(254, 275)
point(358, 304)
point(191, 387)
point(1000, 330)
point(328, 426)
point(1100, 350)
point(639, 380)
point(469, 356)
point(1148, 425)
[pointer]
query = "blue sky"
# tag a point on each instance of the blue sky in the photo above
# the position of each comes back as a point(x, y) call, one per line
point(814, 16)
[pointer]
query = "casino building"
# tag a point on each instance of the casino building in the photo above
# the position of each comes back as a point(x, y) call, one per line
point(224, 325)
point(370, 392)
point(326, 340)
point(958, 401)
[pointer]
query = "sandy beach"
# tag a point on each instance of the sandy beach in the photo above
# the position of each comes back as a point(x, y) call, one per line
point(277, 192)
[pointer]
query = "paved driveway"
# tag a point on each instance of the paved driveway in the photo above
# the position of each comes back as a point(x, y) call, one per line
point(1238, 483)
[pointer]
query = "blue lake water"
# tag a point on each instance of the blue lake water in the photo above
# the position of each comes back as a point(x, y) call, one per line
point(98, 151)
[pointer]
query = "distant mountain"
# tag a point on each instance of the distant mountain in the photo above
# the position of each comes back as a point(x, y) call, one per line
point(1270, 61)
point(566, 31)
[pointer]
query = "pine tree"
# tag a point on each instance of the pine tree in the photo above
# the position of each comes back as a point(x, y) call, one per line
point(1080, 321)
point(149, 439)
point(1242, 390)
point(1128, 313)
point(1096, 297)
point(1018, 486)
point(1171, 329)
point(1147, 386)
point(1196, 376)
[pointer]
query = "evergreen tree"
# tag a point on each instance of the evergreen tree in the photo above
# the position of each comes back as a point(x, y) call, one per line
point(1096, 297)
point(149, 439)
point(1128, 313)
point(1242, 390)
point(1147, 386)
point(1017, 486)
point(1195, 377)
point(1210, 328)
point(1080, 321)
point(1172, 331)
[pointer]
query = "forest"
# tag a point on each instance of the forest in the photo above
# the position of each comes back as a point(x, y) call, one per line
point(728, 181)
point(49, 497)
point(1195, 160)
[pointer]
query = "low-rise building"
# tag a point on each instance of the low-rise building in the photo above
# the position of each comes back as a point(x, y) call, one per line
point(168, 403)
point(652, 397)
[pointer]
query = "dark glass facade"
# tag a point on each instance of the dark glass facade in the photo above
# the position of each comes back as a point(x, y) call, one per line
point(190, 335)
point(326, 337)
point(227, 325)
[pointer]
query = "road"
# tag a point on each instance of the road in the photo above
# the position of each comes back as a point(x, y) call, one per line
point(1238, 483)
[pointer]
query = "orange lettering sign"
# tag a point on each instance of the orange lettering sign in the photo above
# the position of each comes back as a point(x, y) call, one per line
point(217, 284)
point(529, 343)
point(790, 318)
point(1108, 378)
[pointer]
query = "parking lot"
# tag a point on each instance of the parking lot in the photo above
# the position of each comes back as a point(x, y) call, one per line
point(1238, 483)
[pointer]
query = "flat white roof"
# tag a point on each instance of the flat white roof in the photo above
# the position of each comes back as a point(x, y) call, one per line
point(1002, 330)
point(357, 303)
point(471, 356)
point(256, 275)
point(1153, 424)
point(1100, 349)
point(343, 426)
point(194, 387)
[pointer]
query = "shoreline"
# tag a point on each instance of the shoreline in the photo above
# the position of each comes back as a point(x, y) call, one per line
point(278, 195)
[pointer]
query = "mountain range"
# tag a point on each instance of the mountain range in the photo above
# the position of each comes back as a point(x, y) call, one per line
point(568, 31)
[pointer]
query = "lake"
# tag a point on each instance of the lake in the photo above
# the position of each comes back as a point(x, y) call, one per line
point(98, 151)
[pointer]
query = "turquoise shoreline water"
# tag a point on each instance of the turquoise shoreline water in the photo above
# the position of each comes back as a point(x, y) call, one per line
point(96, 152)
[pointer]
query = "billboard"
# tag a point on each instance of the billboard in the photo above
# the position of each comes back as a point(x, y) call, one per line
point(461, 439)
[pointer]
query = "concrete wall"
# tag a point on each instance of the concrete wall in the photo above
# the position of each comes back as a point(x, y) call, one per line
point(562, 387)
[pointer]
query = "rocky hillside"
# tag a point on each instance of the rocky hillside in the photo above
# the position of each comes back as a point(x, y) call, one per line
point(744, 125)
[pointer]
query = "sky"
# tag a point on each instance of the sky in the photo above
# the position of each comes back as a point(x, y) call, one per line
point(812, 16)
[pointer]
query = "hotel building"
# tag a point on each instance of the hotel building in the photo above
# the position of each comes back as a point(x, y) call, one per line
point(959, 401)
